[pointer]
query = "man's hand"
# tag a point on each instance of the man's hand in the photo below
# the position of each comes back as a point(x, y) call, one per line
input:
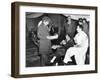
point(55, 46)
point(52, 37)
point(63, 42)
point(76, 46)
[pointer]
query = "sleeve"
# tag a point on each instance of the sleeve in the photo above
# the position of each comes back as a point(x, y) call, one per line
point(52, 37)
point(78, 39)
point(40, 35)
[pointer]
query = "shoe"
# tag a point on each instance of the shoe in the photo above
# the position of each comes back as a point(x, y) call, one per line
point(52, 60)
point(67, 60)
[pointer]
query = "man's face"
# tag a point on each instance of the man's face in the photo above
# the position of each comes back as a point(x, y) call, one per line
point(84, 21)
point(78, 29)
point(69, 18)
point(46, 22)
point(67, 37)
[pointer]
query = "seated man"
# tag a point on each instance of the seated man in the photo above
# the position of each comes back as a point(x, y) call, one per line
point(60, 50)
point(79, 49)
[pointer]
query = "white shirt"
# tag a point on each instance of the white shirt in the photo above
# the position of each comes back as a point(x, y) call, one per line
point(81, 39)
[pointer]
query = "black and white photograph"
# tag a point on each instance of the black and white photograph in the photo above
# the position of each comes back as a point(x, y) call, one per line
point(51, 39)
point(57, 39)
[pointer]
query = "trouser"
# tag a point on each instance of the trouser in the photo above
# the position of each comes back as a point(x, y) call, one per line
point(79, 56)
point(59, 54)
point(44, 59)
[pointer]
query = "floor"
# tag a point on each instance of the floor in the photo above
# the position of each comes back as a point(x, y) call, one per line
point(33, 59)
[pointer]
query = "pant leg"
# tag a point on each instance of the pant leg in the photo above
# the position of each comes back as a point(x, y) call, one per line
point(70, 52)
point(80, 59)
point(43, 59)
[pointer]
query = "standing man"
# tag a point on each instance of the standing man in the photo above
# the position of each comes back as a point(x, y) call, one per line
point(85, 26)
point(70, 26)
point(44, 43)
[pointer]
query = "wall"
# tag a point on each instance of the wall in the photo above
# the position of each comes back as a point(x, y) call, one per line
point(5, 40)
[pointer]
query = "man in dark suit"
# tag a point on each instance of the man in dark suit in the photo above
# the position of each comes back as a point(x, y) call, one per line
point(70, 26)
point(44, 43)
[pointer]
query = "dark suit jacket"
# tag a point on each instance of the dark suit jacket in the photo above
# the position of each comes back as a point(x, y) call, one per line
point(71, 28)
point(44, 43)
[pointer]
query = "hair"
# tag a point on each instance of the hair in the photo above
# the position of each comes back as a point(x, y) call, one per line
point(69, 16)
point(80, 20)
point(45, 18)
point(85, 19)
point(80, 26)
